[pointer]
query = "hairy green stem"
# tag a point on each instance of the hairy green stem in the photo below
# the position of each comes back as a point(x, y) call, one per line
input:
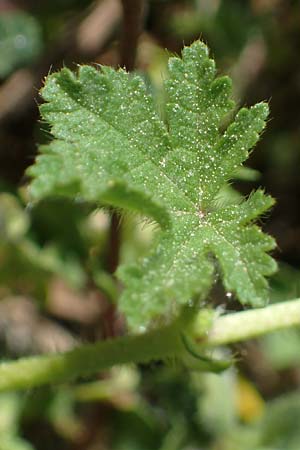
point(89, 359)
point(158, 344)
point(254, 322)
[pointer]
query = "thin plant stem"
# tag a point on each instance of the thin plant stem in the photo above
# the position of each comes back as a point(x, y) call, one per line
point(133, 14)
point(249, 324)
point(89, 359)
point(154, 345)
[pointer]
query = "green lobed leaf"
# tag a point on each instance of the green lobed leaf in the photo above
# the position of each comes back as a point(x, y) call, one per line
point(112, 147)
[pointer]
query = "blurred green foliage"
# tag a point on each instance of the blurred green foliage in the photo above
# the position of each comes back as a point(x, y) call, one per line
point(20, 41)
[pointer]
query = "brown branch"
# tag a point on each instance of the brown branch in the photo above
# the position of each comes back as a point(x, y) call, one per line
point(133, 15)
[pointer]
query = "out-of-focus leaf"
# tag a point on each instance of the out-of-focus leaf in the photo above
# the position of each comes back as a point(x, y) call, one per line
point(61, 414)
point(280, 426)
point(144, 436)
point(14, 443)
point(10, 405)
point(278, 429)
point(10, 410)
point(216, 407)
point(124, 381)
point(246, 174)
point(20, 41)
point(282, 348)
point(25, 267)
point(13, 221)
point(285, 285)
point(174, 438)
point(226, 24)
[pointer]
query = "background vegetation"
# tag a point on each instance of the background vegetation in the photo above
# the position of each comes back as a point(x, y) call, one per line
point(57, 258)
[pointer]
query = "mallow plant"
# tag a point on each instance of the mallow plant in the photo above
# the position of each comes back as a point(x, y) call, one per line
point(112, 148)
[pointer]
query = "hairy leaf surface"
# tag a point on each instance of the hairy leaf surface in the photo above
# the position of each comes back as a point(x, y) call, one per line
point(110, 146)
